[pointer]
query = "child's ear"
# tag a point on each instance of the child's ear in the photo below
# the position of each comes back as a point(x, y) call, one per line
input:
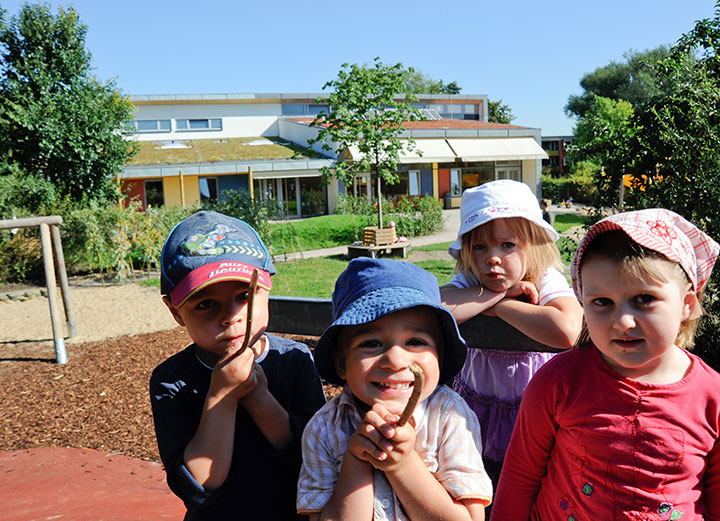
point(691, 306)
point(173, 310)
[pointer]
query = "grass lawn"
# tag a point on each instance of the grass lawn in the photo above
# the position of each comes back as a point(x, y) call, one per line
point(315, 233)
point(565, 221)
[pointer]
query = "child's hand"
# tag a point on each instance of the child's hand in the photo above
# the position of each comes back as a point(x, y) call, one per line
point(238, 377)
point(523, 290)
point(381, 442)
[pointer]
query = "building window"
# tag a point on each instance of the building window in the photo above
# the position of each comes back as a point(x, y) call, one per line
point(304, 109)
point(508, 170)
point(293, 109)
point(455, 183)
point(149, 125)
point(414, 182)
point(208, 188)
point(154, 194)
point(189, 125)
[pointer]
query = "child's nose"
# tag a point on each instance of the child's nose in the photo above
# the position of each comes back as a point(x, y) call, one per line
point(234, 313)
point(396, 358)
point(624, 319)
point(493, 257)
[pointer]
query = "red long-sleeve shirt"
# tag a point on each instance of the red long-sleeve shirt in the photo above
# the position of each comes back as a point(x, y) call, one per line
point(592, 444)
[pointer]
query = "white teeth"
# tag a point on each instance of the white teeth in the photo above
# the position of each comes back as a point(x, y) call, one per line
point(395, 385)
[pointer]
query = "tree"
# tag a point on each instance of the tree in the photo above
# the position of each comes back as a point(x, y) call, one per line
point(634, 80)
point(419, 83)
point(367, 109)
point(498, 112)
point(57, 121)
point(669, 143)
point(606, 137)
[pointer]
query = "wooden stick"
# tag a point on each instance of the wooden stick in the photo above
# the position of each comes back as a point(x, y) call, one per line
point(248, 319)
point(415, 396)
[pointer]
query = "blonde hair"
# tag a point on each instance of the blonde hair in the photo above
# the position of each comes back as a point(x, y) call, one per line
point(540, 249)
point(635, 262)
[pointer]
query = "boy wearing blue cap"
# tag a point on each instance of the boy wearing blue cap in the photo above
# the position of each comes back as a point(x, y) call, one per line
point(359, 460)
point(230, 408)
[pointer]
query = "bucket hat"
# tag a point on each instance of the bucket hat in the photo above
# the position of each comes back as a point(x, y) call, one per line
point(210, 247)
point(498, 200)
point(662, 231)
point(369, 289)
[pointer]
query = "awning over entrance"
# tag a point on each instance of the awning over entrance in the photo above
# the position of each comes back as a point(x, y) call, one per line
point(425, 151)
point(497, 149)
point(468, 149)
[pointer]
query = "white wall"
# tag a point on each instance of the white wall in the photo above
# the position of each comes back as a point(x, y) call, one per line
point(239, 120)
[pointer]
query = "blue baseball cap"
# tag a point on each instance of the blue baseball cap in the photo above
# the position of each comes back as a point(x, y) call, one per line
point(369, 289)
point(210, 247)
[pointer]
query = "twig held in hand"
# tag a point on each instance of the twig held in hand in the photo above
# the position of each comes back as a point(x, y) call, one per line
point(248, 320)
point(415, 396)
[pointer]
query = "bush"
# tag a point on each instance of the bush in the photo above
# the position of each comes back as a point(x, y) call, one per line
point(413, 215)
point(580, 185)
point(238, 204)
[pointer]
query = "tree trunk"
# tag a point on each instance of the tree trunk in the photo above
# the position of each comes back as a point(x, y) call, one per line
point(379, 202)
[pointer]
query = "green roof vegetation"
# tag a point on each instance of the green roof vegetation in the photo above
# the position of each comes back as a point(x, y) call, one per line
point(215, 150)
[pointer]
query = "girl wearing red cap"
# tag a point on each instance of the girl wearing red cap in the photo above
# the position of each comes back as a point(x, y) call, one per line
point(627, 425)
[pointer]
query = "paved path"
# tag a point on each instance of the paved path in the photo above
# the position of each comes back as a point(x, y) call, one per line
point(83, 485)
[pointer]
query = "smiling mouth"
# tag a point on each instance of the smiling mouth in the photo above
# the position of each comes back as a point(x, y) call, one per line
point(394, 386)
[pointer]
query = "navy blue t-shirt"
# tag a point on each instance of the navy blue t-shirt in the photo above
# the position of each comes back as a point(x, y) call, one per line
point(262, 483)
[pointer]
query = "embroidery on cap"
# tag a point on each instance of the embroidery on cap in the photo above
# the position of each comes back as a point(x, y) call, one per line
point(662, 230)
point(217, 242)
point(588, 489)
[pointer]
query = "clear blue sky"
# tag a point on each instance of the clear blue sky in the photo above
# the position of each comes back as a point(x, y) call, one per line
point(529, 53)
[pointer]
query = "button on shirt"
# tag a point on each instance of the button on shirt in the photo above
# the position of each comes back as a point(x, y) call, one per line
point(447, 440)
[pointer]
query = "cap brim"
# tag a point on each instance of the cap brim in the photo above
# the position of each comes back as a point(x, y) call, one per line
point(213, 273)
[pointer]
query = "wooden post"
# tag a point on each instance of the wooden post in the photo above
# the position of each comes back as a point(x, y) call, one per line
point(64, 286)
point(251, 189)
point(47, 225)
point(182, 189)
point(60, 353)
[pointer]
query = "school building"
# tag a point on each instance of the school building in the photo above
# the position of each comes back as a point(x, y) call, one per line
point(193, 147)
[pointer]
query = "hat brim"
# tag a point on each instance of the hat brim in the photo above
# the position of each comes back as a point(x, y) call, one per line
point(213, 273)
point(377, 304)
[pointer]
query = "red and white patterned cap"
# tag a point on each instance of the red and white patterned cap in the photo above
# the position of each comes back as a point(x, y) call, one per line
point(662, 231)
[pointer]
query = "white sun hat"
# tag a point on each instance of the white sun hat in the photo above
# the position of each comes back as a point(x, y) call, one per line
point(498, 200)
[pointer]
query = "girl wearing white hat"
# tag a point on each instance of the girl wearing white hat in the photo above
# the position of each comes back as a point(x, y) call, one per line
point(507, 266)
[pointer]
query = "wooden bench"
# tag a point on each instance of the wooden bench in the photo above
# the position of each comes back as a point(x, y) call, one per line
point(357, 249)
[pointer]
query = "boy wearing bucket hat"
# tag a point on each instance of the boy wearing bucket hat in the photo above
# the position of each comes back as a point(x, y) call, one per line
point(507, 266)
point(229, 409)
point(627, 425)
point(358, 458)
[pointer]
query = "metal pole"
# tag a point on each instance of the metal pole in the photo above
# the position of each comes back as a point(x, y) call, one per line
point(60, 353)
point(62, 274)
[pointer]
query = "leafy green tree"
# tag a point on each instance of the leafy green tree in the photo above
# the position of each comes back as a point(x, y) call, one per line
point(606, 136)
point(57, 121)
point(634, 80)
point(499, 112)
point(368, 109)
point(420, 83)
